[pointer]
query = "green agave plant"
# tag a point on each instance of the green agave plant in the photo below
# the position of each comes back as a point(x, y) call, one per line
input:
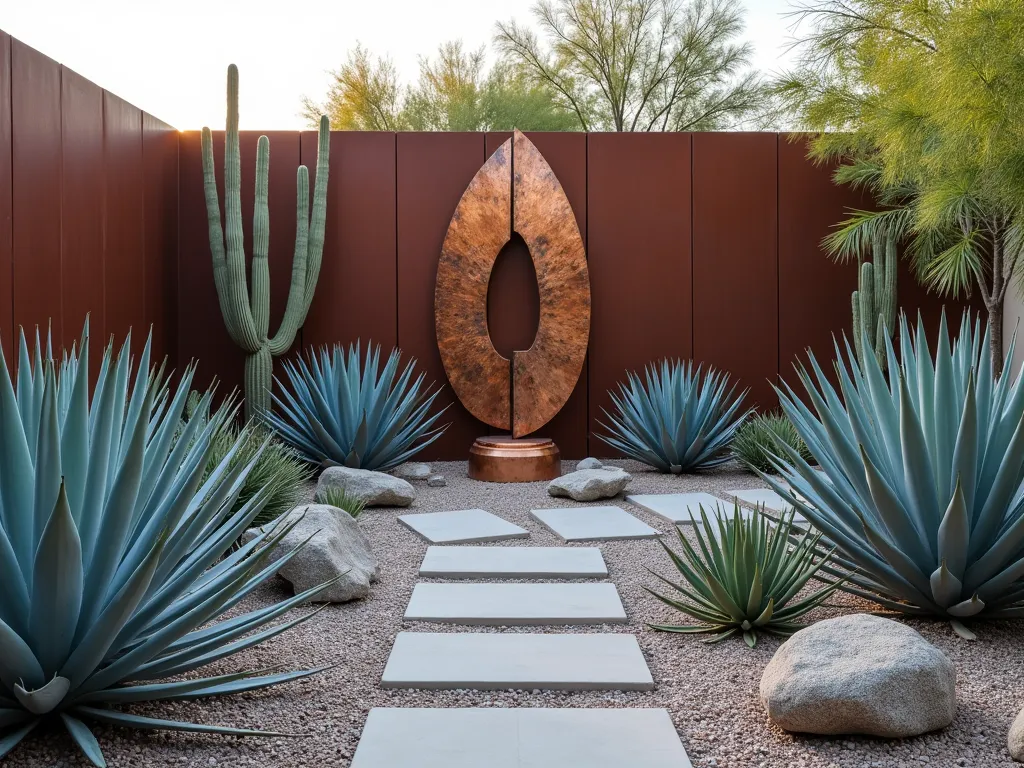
point(110, 550)
point(743, 575)
point(338, 410)
point(757, 440)
point(921, 489)
point(679, 420)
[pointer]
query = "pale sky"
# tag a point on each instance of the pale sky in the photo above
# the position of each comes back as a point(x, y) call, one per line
point(170, 59)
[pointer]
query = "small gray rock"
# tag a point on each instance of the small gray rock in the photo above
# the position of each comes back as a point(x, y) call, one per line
point(859, 674)
point(374, 489)
point(437, 481)
point(1015, 741)
point(589, 463)
point(412, 470)
point(338, 547)
point(590, 484)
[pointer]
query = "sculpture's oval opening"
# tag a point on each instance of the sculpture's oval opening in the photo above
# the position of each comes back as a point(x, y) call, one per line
point(513, 300)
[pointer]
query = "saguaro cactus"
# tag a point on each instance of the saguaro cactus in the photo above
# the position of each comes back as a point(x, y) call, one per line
point(246, 316)
point(874, 302)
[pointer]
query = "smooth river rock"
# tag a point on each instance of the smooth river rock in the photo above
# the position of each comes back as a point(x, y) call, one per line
point(412, 470)
point(338, 548)
point(1015, 741)
point(590, 484)
point(589, 463)
point(374, 489)
point(859, 674)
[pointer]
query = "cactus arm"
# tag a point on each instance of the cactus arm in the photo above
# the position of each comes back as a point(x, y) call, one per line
point(318, 222)
point(857, 330)
point(309, 243)
point(291, 320)
point(868, 315)
point(260, 299)
point(891, 265)
point(216, 231)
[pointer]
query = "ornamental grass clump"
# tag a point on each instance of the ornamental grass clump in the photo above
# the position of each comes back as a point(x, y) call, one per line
point(343, 500)
point(743, 575)
point(278, 471)
point(924, 469)
point(759, 437)
point(679, 419)
point(338, 410)
point(111, 547)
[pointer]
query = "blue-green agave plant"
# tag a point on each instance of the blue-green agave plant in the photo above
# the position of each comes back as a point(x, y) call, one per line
point(921, 482)
point(680, 420)
point(110, 550)
point(336, 410)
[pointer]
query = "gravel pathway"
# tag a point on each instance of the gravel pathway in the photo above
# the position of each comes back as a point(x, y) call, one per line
point(711, 691)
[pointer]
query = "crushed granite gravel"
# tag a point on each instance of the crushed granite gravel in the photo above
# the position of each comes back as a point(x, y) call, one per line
point(711, 691)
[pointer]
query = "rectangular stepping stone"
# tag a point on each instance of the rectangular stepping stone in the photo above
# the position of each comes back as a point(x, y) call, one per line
point(766, 497)
point(513, 563)
point(464, 525)
point(519, 738)
point(516, 604)
point(497, 661)
point(593, 524)
point(682, 507)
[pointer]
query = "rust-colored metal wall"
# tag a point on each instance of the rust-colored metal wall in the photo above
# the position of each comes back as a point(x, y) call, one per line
point(702, 245)
point(735, 259)
point(639, 253)
point(88, 207)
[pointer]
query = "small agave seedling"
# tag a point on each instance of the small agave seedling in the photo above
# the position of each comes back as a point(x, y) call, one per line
point(743, 575)
point(923, 488)
point(339, 410)
point(110, 550)
point(679, 420)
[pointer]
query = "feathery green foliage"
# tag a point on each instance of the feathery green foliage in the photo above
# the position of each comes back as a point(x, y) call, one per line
point(342, 499)
point(743, 575)
point(922, 493)
point(643, 65)
point(338, 409)
point(454, 93)
point(110, 549)
point(278, 472)
point(761, 435)
point(924, 104)
point(678, 420)
point(247, 315)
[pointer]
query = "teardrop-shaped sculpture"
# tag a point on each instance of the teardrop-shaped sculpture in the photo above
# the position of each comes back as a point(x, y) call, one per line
point(525, 395)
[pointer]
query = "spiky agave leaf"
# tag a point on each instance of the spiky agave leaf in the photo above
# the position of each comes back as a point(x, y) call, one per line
point(743, 576)
point(922, 474)
point(680, 419)
point(110, 547)
point(337, 409)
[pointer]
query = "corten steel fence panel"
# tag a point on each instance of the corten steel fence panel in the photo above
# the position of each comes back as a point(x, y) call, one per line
point(814, 291)
point(357, 296)
point(160, 218)
point(638, 214)
point(201, 332)
point(124, 266)
point(512, 307)
point(735, 259)
point(82, 209)
point(6, 219)
point(433, 171)
point(36, 184)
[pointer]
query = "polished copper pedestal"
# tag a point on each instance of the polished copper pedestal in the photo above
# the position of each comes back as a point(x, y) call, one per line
point(505, 459)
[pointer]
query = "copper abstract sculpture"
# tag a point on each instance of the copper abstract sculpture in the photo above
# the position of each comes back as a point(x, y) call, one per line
point(514, 190)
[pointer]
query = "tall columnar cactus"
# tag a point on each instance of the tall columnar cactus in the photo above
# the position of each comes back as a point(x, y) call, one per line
point(246, 316)
point(874, 303)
